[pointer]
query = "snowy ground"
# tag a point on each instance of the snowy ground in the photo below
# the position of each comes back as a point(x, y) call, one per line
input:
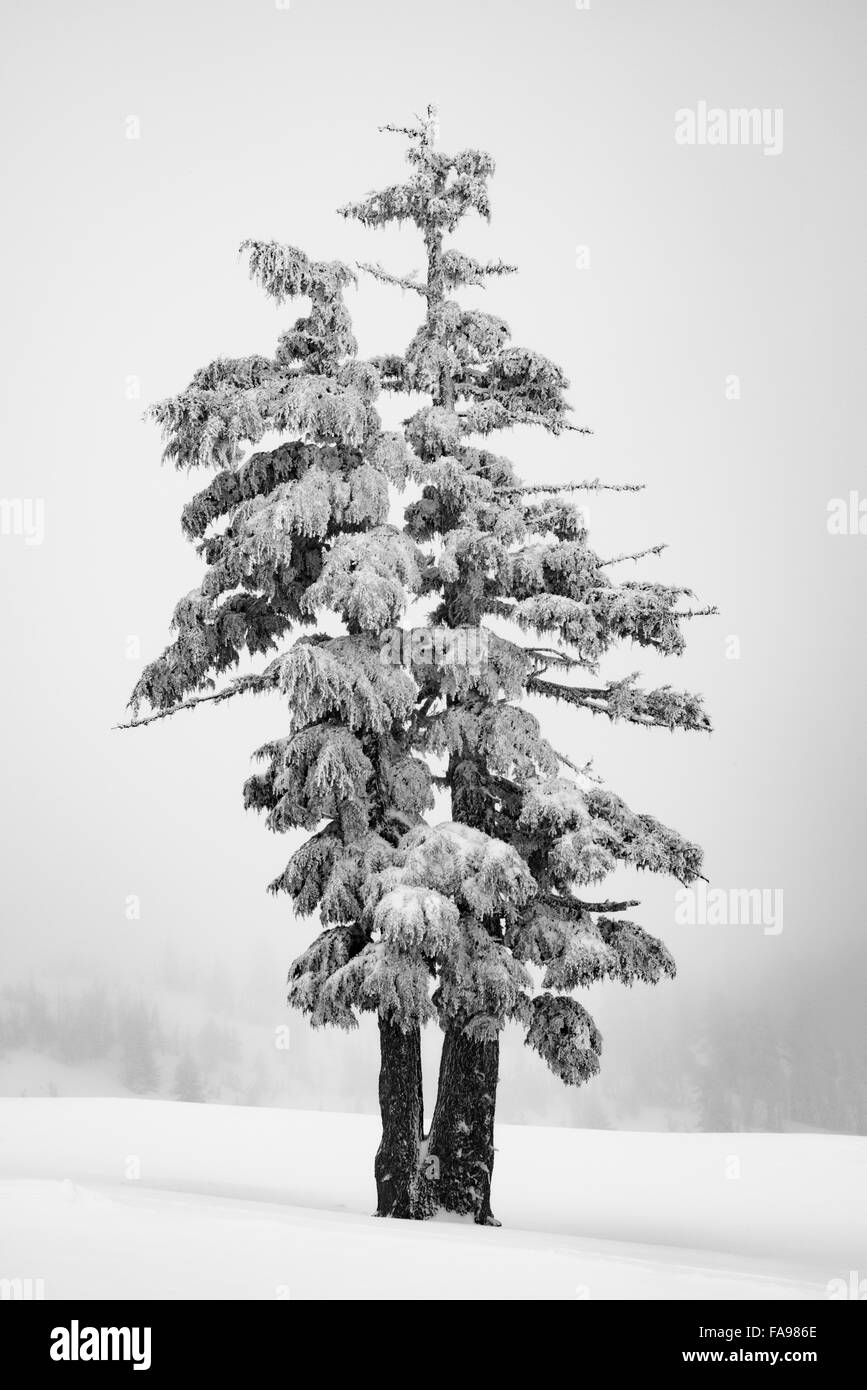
point(153, 1199)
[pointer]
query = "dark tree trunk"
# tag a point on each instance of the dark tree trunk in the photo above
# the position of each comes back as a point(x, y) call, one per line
point(401, 1106)
point(459, 1153)
point(461, 1139)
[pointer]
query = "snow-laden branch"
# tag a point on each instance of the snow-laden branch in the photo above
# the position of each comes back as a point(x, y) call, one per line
point(242, 686)
point(591, 485)
point(404, 282)
point(635, 554)
point(578, 906)
point(662, 708)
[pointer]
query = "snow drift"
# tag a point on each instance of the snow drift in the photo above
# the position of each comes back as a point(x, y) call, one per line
point(152, 1199)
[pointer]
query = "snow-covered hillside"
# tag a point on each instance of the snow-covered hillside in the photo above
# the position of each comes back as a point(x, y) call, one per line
point(150, 1199)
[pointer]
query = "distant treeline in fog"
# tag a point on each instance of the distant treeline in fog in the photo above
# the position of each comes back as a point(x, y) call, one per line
point(778, 1064)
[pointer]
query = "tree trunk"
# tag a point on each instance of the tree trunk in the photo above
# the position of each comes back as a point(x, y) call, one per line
point(461, 1139)
point(401, 1106)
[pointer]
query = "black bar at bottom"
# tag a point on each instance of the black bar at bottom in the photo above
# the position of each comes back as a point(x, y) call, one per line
point(166, 1339)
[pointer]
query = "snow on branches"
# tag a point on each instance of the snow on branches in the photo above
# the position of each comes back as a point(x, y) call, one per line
point(491, 546)
point(565, 1036)
point(461, 921)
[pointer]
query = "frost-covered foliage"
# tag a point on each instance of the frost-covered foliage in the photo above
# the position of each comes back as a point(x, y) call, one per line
point(482, 920)
point(288, 536)
point(493, 547)
point(285, 509)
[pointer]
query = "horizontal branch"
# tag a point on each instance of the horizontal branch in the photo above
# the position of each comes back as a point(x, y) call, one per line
point(549, 655)
point(410, 131)
point(576, 905)
point(242, 686)
point(592, 485)
point(422, 131)
point(636, 554)
point(663, 708)
point(404, 282)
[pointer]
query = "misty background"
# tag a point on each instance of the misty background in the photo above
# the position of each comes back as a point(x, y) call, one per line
point(142, 142)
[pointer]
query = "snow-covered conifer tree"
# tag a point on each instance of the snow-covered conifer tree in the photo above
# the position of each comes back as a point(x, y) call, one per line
point(496, 901)
point(483, 919)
